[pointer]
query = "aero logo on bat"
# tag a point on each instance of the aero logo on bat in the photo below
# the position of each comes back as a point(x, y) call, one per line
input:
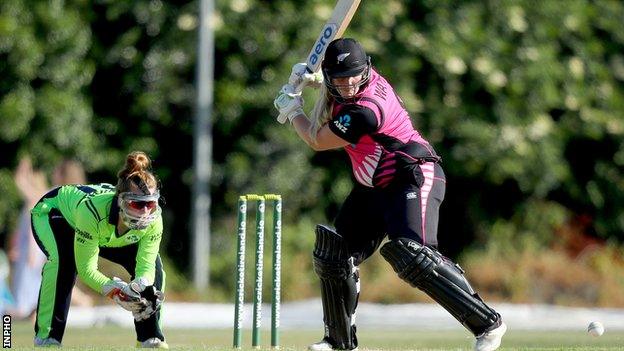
point(326, 36)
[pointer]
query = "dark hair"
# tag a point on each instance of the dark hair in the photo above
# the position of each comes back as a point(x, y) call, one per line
point(138, 171)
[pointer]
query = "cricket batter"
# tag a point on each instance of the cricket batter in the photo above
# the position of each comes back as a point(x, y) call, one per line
point(399, 188)
point(74, 224)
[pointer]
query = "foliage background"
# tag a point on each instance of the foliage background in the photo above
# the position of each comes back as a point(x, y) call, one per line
point(523, 99)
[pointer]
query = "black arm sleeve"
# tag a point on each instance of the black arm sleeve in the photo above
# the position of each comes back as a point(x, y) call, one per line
point(353, 122)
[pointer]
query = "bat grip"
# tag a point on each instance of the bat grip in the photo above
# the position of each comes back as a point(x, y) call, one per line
point(299, 88)
point(281, 118)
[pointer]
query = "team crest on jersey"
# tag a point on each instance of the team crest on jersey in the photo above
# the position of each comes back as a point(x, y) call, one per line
point(132, 238)
point(343, 123)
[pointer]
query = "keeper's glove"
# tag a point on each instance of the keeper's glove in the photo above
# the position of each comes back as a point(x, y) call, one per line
point(153, 299)
point(125, 295)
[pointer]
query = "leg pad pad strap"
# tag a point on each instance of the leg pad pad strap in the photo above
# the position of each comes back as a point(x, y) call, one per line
point(339, 287)
point(444, 281)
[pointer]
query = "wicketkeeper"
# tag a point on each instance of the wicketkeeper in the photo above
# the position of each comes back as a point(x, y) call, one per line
point(400, 186)
point(75, 224)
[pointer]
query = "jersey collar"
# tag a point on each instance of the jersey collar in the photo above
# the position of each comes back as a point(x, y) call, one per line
point(113, 216)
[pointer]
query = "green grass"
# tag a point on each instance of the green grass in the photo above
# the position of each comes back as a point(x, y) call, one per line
point(116, 338)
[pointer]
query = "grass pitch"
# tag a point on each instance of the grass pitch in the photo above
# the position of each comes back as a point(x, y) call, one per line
point(116, 338)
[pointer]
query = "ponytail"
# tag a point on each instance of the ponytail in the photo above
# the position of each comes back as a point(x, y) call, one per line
point(321, 113)
point(137, 170)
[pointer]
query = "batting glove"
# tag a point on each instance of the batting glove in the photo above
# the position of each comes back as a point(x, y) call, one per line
point(124, 294)
point(288, 103)
point(300, 77)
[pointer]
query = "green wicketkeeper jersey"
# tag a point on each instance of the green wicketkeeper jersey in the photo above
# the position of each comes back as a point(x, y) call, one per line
point(93, 212)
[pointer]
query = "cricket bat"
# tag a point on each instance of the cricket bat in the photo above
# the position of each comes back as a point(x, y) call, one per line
point(333, 29)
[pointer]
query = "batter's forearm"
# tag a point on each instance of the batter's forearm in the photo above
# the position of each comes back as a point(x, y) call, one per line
point(302, 125)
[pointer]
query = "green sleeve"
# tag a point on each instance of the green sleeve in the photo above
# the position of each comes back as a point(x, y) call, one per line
point(148, 251)
point(86, 252)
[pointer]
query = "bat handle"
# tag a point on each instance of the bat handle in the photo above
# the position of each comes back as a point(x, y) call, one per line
point(299, 88)
point(281, 118)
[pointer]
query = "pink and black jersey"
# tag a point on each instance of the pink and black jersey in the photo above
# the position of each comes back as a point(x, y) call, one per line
point(384, 144)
